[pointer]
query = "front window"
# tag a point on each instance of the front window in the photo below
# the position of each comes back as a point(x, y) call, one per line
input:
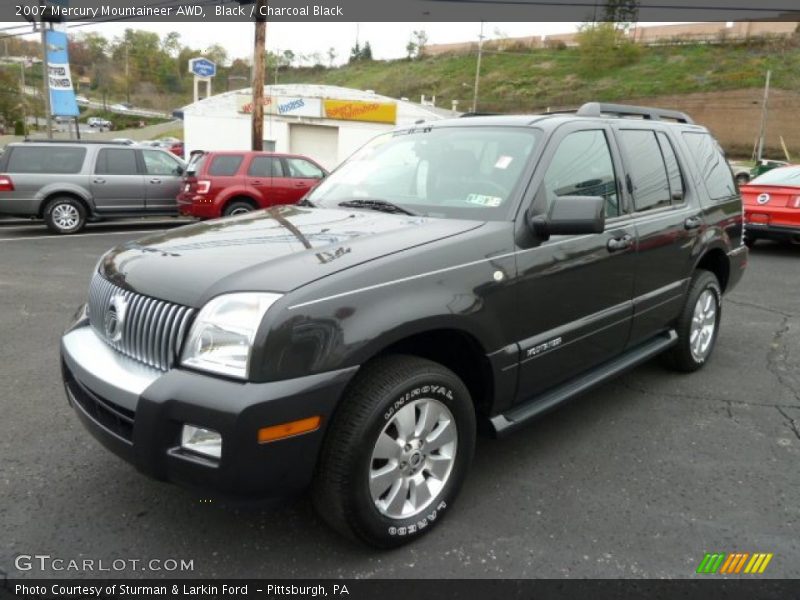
point(455, 172)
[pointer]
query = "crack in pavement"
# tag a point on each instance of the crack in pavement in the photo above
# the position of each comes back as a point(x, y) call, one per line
point(777, 356)
point(791, 423)
point(768, 309)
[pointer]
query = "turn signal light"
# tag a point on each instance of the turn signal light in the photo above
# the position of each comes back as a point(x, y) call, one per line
point(6, 185)
point(286, 430)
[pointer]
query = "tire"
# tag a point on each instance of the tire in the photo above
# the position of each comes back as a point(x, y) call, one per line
point(385, 395)
point(704, 300)
point(238, 207)
point(64, 215)
point(750, 241)
point(742, 179)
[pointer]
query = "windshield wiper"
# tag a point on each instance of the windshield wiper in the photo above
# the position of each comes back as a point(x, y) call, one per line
point(381, 205)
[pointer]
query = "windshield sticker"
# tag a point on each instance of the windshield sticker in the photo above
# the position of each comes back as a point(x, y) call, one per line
point(482, 200)
point(503, 162)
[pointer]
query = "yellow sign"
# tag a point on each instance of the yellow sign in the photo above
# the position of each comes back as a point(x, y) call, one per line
point(360, 110)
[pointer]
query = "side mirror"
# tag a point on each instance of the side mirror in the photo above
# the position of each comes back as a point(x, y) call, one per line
point(179, 170)
point(571, 215)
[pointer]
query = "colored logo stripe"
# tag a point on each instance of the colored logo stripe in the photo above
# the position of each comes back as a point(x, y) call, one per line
point(734, 563)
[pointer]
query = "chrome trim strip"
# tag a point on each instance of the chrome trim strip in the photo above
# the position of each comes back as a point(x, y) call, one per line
point(105, 371)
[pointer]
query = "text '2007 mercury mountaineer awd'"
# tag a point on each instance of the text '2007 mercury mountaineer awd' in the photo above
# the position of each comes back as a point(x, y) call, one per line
point(473, 271)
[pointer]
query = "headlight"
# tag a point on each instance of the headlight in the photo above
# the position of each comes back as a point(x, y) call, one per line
point(221, 337)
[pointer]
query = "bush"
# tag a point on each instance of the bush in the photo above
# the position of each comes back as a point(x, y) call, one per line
point(603, 46)
point(19, 127)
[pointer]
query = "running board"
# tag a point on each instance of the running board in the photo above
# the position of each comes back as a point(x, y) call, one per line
point(530, 409)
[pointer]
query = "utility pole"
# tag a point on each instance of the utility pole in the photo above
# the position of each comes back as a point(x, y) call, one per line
point(477, 71)
point(257, 137)
point(46, 83)
point(764, 110)
point(23, 98)
point(127, 75)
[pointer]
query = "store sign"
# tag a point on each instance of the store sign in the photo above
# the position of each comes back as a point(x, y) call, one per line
point(360, 110)
point(203, 68)
point(284, 105)
point(62, 94)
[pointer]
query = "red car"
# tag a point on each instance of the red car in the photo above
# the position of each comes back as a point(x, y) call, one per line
point(231, 183)
point(772, 206)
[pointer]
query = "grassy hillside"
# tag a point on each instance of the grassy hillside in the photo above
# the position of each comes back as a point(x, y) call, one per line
point(526, 80)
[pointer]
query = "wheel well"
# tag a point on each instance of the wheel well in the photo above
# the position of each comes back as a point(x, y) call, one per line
point(72, 195)
point(246, 199)
point(458, 351)
point(717, 262)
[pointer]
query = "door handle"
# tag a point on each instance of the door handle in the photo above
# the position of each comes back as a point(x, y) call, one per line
point(155, 180)
point(620, 243)
point(300, 184)
point(98, 180)
point(256, 182)
point(692, 223)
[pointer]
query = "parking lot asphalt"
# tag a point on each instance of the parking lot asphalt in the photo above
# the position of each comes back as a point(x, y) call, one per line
point(639, 478)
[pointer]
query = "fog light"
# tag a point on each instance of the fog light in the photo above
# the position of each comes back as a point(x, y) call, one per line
point(201, 441)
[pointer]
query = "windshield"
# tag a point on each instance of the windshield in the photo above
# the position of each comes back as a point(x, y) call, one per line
point(456, 172)
point(782, 176)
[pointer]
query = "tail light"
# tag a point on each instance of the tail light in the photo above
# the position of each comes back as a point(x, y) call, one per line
point(6, 185)
point(796, 202)
point(203, 186)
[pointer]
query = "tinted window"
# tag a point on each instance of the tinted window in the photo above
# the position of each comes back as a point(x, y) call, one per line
point(582, 166)
point(57, 159)
point(647, 169)
point(303, 169)
point(265, 166)
point(114, 161)
point(785, 176)
point(673, 168)
point(159, 163)
point(225, 165)
point(712, 165)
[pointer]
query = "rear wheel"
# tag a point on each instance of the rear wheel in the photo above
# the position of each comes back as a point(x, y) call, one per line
point(750, 241)
point(397, 451)
point(698, 323)
point(742, 178)
point(64, 215)
point(239, 207)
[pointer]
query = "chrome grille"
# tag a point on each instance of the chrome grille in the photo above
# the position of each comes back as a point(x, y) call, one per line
point(152, 331)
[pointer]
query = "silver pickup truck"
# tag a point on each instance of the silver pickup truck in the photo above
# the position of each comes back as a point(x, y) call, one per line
point(67, 183)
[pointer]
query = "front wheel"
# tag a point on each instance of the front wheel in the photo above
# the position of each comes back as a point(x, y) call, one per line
point(397, 451)
point(698, 323)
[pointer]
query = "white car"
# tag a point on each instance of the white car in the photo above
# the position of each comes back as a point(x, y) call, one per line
point(98, 122)
point(119, 107)
point(81, 99)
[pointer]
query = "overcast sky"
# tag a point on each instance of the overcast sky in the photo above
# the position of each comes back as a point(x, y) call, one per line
point(388, 40)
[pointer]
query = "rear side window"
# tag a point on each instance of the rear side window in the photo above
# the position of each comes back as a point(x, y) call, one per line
point(673, 168)
point(116, 161)
point(38, 159)
point(225, 165)
point(647, 170)
point(265, 166)
point(712, 165)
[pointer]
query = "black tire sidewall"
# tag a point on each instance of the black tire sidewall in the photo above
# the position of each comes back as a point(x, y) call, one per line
point(48, 215)
point(368, 522)
point(704, 280)
point(237, 204)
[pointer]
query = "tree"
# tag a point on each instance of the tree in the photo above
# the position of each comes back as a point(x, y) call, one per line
point(331, 56)
point(288, 58)
point(411, 49)
point(355, 52)
point(603, 46)
point(218, 54)
point(421, 40)
point(366, 53)
point(171, 44)
point(623, 13)
point(358, 53)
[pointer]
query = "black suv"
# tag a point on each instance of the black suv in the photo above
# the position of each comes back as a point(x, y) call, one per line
point(471, 271)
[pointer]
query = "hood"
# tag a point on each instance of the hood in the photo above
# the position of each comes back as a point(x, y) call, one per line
point(275, 250)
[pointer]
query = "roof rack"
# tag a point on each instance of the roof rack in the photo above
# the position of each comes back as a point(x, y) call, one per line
point(49, 141)
point(479, 114)
point(599, 109)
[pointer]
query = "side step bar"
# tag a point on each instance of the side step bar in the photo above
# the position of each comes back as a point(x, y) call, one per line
point(530, 409)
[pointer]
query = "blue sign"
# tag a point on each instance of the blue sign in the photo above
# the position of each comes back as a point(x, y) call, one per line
point(62, 94)
point(202, 67)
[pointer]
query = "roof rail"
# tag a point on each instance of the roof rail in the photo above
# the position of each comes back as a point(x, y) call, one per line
point(478, 114)
point(49, 141)
point(599, 109)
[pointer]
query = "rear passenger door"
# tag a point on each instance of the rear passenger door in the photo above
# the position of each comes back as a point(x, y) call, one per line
point(668, 222)
point(163, 180)
point(303, 176)
point(262, 175)
point(117, 183)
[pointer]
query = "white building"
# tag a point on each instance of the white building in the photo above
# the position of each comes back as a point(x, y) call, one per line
point(326, 123)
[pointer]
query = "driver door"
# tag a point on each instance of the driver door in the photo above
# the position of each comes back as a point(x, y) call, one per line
point(575, 291)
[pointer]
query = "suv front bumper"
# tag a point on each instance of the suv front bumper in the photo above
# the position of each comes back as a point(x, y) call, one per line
point(138, 413)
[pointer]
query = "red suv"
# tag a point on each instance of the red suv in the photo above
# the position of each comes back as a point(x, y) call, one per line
point(231, 183)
